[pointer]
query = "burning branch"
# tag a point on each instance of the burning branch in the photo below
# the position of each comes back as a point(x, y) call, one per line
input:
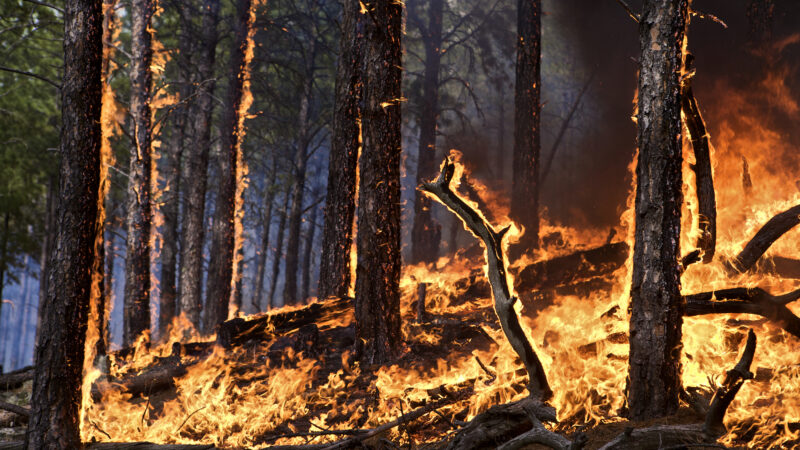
point(501, 290)
point(747, 301)
point(764, 238)
point(725, 394)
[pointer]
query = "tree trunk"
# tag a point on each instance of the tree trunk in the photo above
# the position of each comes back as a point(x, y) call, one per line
point(276, 256)
point(170, 197)
point(377, 301)
point(56, 397)
point(298, 187)
point(3, 268)
point(656, 304)
point(337, 235)
point(196, 170)
point(527, 134)
point(222, 277)
point(261, 256)
point(139, 222)
point(426, 234)
point(47, 251)
point(307, 256)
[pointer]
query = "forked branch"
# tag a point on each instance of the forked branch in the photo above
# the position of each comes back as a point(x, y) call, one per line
point(441, 190)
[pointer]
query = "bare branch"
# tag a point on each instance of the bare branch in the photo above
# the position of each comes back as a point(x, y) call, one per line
point(32, 75)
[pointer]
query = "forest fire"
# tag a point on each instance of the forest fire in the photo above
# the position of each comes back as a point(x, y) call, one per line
point(451, 307)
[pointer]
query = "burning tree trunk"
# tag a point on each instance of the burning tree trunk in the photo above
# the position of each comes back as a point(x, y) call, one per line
point(137, 260)
point(656, 305)
point(426, 234)
point(337, 235)
point(266, 221)
point(196, 170)
point(525, 191)
point(377, 301)
point(222, 273)
point(298, 187)
point(56, 397)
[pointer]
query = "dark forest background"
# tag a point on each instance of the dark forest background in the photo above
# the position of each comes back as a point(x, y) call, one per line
point(589, 44)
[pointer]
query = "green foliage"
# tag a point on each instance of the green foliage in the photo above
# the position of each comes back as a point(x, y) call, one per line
point(30, 41)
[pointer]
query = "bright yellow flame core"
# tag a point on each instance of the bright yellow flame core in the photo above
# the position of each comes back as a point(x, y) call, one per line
point(582, 341)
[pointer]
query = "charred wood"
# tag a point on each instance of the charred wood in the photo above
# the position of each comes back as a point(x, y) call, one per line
point(764, 238)
point(730, 387)
point(496, 260)
point(572, 268)
point(501, 423)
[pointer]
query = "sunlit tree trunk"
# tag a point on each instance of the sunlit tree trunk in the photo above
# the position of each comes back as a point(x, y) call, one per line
point(56, 396)
point(298, 187)
point(377, 301)
point(527, 134)
point(195, 175)
point(139, 222)
point(337, 235)
point(266, 221)
point(426, 234)
point(654, 378)
point(220, 283)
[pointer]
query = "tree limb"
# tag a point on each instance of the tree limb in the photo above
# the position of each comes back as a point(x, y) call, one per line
point(764, 238)
point(504, 301)
point(726, 393)
point(32, 75)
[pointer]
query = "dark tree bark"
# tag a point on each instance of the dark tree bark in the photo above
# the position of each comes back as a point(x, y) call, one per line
point(426, 234)
point(276, 255)
point(139, 221)
point(527, 134)
point(221, 277)
point(196, 170)
point(307, 256)
point(266, 221)
point(299, 175)
point(337, 234)
point(172, 160)
point(377, 301)
point(47, 251)
point(656, 305)
point(56, 396)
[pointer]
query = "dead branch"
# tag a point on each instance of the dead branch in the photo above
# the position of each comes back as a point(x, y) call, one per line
point(15, 379)
point(503, 299)
point(538, 434)
point(16, 409)
point(730, 387)
point(764, 238)
point(747, 301)
point(501, 423)
point(706, 196)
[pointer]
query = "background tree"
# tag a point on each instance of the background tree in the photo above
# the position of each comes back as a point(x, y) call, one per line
point(527, 134)
point(56, 398)
point(654, 379)
point(140, 217)
point(377, 299)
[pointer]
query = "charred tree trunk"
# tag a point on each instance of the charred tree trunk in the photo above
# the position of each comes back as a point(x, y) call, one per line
point(276, 255)
point(196, 171)
point(307, 256)
point(426, 234)
point(298, 187)
point(656, 304)
point(137, 261)
point(527, 134)
point(173, 156)
point(340, 203)
point(221, 277)
point(56, 396)
point(377, 301)
point(266, 221)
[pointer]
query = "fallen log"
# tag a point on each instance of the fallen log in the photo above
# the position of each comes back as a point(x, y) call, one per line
point(15, 379)
point(237, 331)
point(706, 197)
point(764, 238)
point(16, 409)
point(504, 301)
point(747, 301)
